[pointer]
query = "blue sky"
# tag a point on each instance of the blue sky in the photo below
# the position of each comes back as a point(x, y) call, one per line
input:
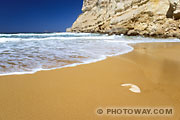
point(38, 15)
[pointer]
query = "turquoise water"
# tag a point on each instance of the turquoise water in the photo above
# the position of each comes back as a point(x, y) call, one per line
point(26, 53)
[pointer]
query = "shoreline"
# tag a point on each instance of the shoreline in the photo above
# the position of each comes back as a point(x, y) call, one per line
point(130, 45)
point(76, 92)
point(70, 65)
point(173, 36)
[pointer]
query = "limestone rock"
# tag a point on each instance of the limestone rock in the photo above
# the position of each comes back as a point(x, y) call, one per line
point(130, 17)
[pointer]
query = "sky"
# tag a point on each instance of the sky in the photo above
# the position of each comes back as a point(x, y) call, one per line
point(38, 15)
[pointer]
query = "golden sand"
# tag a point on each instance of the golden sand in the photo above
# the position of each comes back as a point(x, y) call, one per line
point(75, 93)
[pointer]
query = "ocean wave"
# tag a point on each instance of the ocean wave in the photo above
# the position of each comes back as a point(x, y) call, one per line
point(26, 55)
point(2, 39)
point(48, 34)
point(102, 57)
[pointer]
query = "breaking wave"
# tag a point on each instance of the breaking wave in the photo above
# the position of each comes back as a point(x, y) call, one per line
point(27, 53)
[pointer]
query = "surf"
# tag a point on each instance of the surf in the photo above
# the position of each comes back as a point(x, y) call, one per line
point(27, 53)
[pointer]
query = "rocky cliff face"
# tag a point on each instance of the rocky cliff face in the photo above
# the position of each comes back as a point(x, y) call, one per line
point(159, 18)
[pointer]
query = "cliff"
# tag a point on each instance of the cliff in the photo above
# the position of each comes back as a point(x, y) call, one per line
point(158, 18)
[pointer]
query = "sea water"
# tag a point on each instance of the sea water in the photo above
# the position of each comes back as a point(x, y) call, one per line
point(26, 53)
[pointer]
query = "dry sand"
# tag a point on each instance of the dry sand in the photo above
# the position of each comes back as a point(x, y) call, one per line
point(75, 93)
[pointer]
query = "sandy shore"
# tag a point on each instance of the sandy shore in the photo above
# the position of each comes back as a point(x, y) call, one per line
point(75, 93)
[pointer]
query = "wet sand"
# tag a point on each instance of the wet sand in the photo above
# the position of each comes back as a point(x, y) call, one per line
point(75, 93)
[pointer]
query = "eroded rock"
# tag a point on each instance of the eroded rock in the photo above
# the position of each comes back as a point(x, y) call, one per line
point(130, 17)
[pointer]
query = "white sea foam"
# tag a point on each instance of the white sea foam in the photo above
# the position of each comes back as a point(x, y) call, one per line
point(3, 39)
point(27, 53)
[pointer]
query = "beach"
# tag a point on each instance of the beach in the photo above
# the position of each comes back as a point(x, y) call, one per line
point(74, 93)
